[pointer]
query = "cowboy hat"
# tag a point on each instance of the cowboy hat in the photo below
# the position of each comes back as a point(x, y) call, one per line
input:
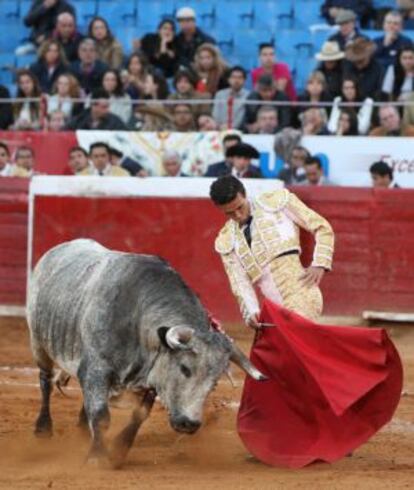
point(359, 49)
point(330, 52)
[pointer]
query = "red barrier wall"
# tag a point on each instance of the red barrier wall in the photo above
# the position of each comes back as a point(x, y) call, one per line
point(51, 153)
point(13, 240)
point(374, 259)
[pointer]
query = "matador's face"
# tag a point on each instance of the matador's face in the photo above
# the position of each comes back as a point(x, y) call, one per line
point(238, 209)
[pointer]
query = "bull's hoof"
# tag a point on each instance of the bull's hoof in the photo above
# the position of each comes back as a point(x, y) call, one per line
point(98, 459)
point(118, 456)
point(43, 428)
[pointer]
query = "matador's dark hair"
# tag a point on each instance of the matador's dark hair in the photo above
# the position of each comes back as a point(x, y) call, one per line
point(225, 189)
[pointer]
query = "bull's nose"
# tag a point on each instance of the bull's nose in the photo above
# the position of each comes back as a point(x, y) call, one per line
point(184, 424)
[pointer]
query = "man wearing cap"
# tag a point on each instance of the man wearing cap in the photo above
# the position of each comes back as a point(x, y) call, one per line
point(190, 36)
point(361, 65)
point(362, 8)
point(241, 156)
point(348, 32)
point(331, 66)
point(265, 92)
point(259, 246)
point(392, 41)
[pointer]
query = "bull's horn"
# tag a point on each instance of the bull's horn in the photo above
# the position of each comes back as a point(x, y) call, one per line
point(179, 337)
point(241, 360)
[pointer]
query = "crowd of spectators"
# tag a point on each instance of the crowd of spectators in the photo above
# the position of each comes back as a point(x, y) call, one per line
point(85, 81)
point(176, 79)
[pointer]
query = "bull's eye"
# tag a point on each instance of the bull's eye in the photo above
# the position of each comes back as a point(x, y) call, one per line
point(185, 370)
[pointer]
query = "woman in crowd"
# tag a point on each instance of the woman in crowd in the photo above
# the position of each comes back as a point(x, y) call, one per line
point(160, 48)
point(155, 86)
point(51, 63)
point(315, 92)
point(185, 82)
point(27, 115)
point(331, 66)
point(108, 48)
point(347, 123)
point(64, 89)
point(135, 75)
point(119, 101)
point(210, 68)
point(349, 93)
point(398, 82)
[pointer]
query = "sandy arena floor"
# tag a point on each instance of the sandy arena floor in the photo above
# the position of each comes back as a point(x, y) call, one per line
point(214, 458)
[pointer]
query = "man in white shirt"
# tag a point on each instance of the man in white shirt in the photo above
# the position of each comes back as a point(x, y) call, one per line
point(229, 108)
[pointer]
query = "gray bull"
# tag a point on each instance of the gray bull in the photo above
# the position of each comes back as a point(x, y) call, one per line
point(121, 321)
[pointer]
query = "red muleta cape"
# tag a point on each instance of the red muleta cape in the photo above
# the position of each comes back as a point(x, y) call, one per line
point(330, 389)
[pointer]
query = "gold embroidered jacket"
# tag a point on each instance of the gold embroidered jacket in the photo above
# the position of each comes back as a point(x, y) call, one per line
point(277, 217)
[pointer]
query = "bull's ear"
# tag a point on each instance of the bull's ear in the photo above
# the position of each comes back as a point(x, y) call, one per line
point(175, 337)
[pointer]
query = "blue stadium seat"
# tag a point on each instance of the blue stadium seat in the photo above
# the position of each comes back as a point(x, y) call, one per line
point(294, 42)
point(9, 9)
point(15, 34)
point(151, 13)
point(126, 35)
point(7, 68)
point(119, 13)
point(273, 14)
point(85, 11)
point(26, 60)
point(307, 12)
point(302, 71)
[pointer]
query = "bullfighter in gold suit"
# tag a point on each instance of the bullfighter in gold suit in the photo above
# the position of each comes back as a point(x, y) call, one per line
point(259, 246)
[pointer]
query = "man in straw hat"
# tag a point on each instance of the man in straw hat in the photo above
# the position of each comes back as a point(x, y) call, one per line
point(331, 66)
point(362, 66)
point(348, 31)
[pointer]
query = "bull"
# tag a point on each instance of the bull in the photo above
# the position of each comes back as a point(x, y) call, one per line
point(122, 321)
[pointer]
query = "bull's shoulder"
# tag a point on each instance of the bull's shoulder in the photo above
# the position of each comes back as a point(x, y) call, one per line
point(224, 243)
point(273, 201)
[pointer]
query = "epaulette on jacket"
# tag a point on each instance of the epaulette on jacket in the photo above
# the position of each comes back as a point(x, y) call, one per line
point(224, 243)
point(273, 201)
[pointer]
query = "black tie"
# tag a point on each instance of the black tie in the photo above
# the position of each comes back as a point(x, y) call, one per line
point(247, 233)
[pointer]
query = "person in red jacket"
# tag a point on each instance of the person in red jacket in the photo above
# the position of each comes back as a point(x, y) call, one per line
point(279, 71)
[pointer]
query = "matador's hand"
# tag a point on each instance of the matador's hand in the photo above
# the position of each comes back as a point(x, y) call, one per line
point(312, 276)
point(253, 321)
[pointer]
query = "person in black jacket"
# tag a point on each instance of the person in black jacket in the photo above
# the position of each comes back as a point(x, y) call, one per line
point(50, 65)
point(68, 36)
point(98, 116)
point(190, 36)
point(265, 92)
point(6, 110)
point(88, 70)
point(361, 65)
point(127, 163)
point(331, 65)
point(224, 167)
point(42, 18)
point(160, 48)
point(242, 155)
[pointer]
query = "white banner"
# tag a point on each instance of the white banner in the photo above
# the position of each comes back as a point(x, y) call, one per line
point(346, 160)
